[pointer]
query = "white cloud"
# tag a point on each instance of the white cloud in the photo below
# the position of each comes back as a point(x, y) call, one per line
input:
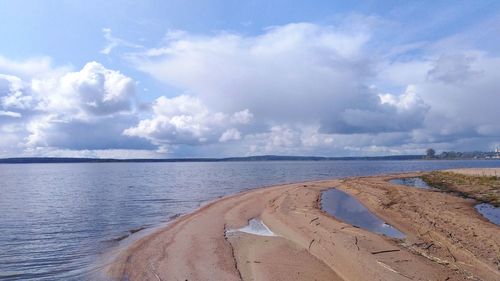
point(86, 109)
point(185, 120)
point(10, 114)
point(113, 42)
point(92, 91)
point(299, 88)
point(230, 134)
point(396, 113)
point(279, 76)
point(274, 75)
point(312, 76)
point(29, 68)
point(11, 93)
point(463, 99)
point(242, 117)
point(95, 99)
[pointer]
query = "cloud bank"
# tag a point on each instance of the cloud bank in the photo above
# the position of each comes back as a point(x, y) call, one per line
point(305, 82)
point(300, 88)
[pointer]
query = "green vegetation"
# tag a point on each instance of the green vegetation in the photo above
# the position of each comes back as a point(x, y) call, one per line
point(485, 189)
point(430, 153)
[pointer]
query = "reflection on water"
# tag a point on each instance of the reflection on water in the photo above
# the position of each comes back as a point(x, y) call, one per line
point(56, 219)
point(490, 212)
point(412, 182)
point(346, 208)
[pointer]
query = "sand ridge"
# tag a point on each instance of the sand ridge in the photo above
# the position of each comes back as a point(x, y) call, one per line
point(446, 239)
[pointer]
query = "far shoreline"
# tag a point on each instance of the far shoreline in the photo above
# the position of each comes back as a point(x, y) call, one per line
point(260, 158)
point(28, 160)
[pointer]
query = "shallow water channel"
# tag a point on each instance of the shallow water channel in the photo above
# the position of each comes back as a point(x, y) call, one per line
point(490, 212)
point(411, 182)
point(348, 209)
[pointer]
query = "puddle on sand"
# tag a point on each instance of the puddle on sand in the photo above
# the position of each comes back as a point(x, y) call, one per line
point(255, 226)
point(412, 182)
point(490, 212)
point(346, 208)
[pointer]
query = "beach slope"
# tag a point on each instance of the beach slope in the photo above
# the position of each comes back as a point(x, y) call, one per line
point(445, 238)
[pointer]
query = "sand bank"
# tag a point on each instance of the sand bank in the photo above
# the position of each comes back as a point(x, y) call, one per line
point(481, 172)
point(445, 238)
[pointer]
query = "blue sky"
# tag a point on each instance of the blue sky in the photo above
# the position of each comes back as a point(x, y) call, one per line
point(223, 78)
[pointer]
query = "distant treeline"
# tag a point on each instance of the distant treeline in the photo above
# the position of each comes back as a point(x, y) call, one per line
point(465, 155)
point(22, 160)
point(444, 155)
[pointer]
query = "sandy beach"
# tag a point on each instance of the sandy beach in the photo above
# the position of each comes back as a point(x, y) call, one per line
point(446, 239)
point(489, 172)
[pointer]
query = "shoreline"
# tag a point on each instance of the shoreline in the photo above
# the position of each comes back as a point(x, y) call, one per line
point(311, 243)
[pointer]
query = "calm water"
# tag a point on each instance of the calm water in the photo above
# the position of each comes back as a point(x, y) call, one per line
point(56, 219)
point(490, 212)
point(413, 182)
point(346, 208)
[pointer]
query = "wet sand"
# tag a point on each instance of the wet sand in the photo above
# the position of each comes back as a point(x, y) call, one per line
point(446, 239)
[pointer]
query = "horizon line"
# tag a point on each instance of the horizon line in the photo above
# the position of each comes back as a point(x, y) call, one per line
point(267, 157)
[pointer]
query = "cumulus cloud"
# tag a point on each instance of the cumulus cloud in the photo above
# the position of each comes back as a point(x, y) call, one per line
point(461, 92)
point(186, 120)
point(85, 109)
point(275, 75)
point(305, 75)
point(92, 91)
point(290, 75)
point(12, 95)
point(230, 134)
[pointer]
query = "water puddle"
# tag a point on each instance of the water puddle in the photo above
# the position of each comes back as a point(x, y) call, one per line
point(412, 182)
point(346, 208)
point(490, 212)
point(255, 226)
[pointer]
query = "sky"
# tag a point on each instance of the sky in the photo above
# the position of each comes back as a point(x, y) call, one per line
point(169, 79)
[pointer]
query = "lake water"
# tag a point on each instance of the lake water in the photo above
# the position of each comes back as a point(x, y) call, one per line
point(57, 219)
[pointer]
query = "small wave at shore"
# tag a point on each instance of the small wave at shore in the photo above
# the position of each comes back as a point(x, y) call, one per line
point(98, 271)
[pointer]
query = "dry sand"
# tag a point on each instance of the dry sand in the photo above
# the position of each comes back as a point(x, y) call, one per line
point(446, 238)
point(489, 172)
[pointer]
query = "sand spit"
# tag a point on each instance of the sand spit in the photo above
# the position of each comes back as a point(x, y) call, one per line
point(445, 238)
